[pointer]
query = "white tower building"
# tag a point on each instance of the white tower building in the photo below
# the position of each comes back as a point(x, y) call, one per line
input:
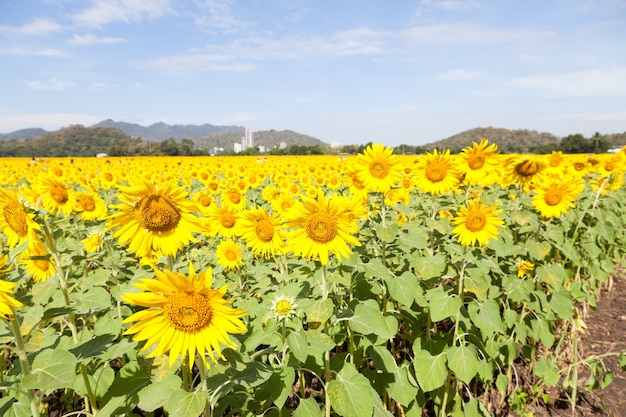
point(248, 139)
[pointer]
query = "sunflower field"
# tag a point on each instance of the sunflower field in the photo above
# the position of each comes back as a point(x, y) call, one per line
point(370, 285)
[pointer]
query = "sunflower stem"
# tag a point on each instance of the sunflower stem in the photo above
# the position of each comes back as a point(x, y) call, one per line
point(208, 411)
point(23, 358)
point(324, 284)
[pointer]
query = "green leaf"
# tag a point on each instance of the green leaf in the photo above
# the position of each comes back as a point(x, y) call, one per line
point(94, 299)
point(542, 331)
point(156, 394)
point(253, 375)
point(430, 371)
point(320, 311)
point(387, 233)
point(100, 381)
point(188, 404)
point(561, 303)
point(93, 347)
point(442, 305)
point(52, 369)
point(463, 361)
point(486, 316)
point(320, 341)
point(280, 384)
point(553, 275)
point(546, 371)
point(308, 408)
point(122, 396)
point(399, 386)
point(415, 236)
point(403, 288)
point(350, 393)
point(431, 266)
point(376, 268)
point(297, 342)
point(368, 319)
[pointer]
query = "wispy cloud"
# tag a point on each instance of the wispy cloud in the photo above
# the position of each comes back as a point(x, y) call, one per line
point(595, 82)
point(458, 75)
point(42, 52)
point(91, 39)
point(103, 12)
point(38, 27)
point(451, 4)
point(51, 84)
point(183, 64)
point(218, 14)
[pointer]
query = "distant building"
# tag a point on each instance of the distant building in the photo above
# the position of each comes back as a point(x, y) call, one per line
point(238, 147)
point(248, 139)
point(282, 145)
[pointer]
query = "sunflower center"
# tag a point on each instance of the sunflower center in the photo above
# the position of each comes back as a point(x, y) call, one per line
point(579, 166)
point(157, 214)
point(321, 228)
point(283, 308)
point(379, 169)
point(436, 171)
point(87, 203)
point(555, 161)
point(108, 176)
point(42, 265)
point(476, 161)
point(227, 219)
point(358, 184)
point(264, 230)
point(527, 168)
point(475, 221)
point(188, 312)
point(234, 196)
point(205, 200)
point(609, 166)
point(15, 217)
point(58, 193)
point(553, 197)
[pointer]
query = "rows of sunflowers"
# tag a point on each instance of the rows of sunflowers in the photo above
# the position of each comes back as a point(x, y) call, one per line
point(369, 285)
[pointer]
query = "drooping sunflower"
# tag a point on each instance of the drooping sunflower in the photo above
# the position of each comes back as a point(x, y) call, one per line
point(554, 198)
point(17, 221)
point(90, 206)
point(55, 196)
point(436, 173)
point(477, 223)
point(93, 242)
point(378, 168)
point(523, 267)
point(154, 219)
point(321, 227)
point(263, 232)
point(229, 254)
point(478, 162)
point(7, 302)
point(183, 315)
point(523, 170)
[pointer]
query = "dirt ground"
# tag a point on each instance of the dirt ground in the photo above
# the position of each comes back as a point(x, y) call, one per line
point(606, 332)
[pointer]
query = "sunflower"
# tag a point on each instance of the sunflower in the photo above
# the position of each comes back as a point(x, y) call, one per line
point(229, 254)
point(204, 202)
point(436, 173)
point(555, 198)
point(93, 242)
point(17, 222)
point(477, 223)
point(38, 262)
point(183, 315)
point(283, 307)
point(263, 232)
point(223, 221)
point(523, 267)
point(154, 219)
point(478, 161)
point(90, 206)
point(7, 302)
point(523, 170)
point(55, 196)
point(321, 227)
point(233, 197)
point(378, 168)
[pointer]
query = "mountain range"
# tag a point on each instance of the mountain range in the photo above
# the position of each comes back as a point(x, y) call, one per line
point(155, 132)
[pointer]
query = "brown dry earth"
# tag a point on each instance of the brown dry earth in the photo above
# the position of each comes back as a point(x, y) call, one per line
point(606, 332)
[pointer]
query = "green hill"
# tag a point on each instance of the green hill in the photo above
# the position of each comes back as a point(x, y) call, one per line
point(267, 138)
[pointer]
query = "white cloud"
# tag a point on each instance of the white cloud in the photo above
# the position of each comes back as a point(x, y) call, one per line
point(51, 84)
point(48, 121)
point(220, 15)
point(197, 62)
point(43, 52)
point(452, 4)
point(463, 34)
point(103, 12)
point(38, 27)
point(596, 82)
point(459, 75)
point(91, 39)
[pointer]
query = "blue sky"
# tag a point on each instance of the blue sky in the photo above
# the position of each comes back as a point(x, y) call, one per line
point(344, 71)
